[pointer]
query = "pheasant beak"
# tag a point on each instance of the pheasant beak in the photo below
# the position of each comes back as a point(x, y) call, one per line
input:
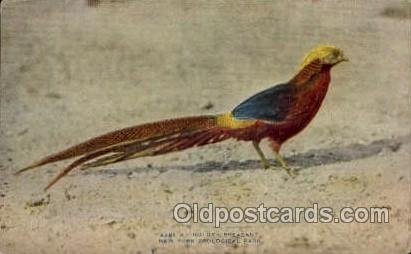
point(342, 59)
point(345, 59)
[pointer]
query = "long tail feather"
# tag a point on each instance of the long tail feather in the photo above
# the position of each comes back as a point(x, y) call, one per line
point(160, 146)
point(144, 140)
point(131, 134)
point(103, 161)
point(150, 147)
point(73, 165)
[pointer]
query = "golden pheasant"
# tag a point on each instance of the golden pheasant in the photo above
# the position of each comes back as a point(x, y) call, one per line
point(277, 113)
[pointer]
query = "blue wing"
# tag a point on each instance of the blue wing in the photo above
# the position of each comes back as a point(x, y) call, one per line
point(272, 104)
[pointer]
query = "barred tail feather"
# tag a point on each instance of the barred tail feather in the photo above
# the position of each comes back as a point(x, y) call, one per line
point(144, 140)
point(130, 134)
point(149, 147)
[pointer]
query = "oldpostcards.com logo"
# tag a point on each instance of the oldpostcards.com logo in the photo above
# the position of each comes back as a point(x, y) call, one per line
point(185, 213)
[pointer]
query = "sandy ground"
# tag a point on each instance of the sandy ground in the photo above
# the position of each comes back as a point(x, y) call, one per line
point(71, 70)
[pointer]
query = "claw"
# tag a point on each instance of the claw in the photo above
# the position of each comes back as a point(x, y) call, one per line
point(290, 171)
point(266, 165)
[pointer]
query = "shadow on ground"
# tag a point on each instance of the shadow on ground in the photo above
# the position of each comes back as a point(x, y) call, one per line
point(302, 161)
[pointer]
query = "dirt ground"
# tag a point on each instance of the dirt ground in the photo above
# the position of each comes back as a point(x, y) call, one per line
point(75, 69)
